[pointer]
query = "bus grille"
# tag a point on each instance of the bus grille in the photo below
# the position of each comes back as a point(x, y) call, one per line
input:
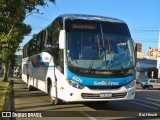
point(103, 87)
point(97, 96)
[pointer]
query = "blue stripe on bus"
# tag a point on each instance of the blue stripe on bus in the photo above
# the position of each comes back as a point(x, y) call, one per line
point(52, 66)
point(40, 62)
point(88, 81)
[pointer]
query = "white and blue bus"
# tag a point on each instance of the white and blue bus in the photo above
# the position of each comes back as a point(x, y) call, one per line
point(81, 58)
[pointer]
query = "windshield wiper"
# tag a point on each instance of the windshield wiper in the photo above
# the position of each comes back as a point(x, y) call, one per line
point(120, 64)
point(99, 50)
point(104, 49)
point(99, 46)
point(111, 51)
point(89, 70)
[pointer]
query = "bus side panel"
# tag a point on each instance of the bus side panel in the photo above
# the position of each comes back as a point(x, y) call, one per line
point(37, 70)
point(25, 69)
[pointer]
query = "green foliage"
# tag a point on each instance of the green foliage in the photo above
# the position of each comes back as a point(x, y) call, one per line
point(5, 93)
point(10, 44)
point(12, 27)
point(5, 55)
point(31, 4)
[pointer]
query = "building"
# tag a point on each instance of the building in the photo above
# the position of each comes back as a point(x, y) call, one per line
point(144, 69)
point(139, 47)
point(140, 54)
point(146, 64)
point(153, 54)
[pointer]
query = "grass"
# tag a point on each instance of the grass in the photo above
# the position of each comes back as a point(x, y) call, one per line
point(5, 92)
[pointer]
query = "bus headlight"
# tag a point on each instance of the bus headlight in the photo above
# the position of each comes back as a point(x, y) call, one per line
point(130, 85)
point(75, 84)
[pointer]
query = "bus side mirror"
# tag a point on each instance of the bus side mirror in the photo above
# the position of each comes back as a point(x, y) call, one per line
point(62, 39)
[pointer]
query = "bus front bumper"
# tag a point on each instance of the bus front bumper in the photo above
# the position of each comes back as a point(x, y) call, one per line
point(71, 94)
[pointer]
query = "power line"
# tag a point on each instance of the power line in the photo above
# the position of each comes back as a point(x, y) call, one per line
point(151, 27)
point(149, 42)
point(42, 18)
point(37, 26)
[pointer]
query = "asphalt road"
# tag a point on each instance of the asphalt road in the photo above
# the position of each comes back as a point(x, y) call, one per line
point(145, 106)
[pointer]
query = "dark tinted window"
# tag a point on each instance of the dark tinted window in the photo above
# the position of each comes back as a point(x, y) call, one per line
point(158, 81)
point(153, 81)
point(58, 54)
point(44, 40)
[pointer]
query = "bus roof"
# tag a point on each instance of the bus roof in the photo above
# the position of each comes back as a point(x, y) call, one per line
point(90, 17)
point(85, 17)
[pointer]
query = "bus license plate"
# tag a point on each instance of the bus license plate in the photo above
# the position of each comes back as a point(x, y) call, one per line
point(105, 95)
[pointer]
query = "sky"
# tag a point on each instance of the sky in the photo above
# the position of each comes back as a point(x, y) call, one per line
point(141, 16)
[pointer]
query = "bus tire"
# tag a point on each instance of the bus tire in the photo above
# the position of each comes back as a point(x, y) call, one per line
point(53, 100)
point(30, 88)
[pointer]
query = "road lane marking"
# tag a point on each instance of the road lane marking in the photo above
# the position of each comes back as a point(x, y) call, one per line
point(148, 102)
point(144, 90)
point(152, 99)
point(143, 105)
point(87, 115)
point(147, 96)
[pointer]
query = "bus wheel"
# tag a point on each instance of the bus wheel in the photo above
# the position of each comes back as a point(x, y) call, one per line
point(54, 100)
point(30, 88)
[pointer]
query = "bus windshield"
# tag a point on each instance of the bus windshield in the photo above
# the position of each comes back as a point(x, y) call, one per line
point(99, 46)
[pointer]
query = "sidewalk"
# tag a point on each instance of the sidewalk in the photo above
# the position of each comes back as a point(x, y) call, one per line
point(32, 102)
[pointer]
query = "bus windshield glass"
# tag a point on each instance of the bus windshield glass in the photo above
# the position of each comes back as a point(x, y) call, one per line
point(99, 45)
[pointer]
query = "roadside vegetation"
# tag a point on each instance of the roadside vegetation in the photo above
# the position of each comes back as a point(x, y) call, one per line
point(5, 94)
point(13, 31)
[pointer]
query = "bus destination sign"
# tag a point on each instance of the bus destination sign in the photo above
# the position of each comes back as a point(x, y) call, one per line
point(80, 26)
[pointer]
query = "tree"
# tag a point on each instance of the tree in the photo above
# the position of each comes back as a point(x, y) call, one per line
point(12, 27)
point(9, 45)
